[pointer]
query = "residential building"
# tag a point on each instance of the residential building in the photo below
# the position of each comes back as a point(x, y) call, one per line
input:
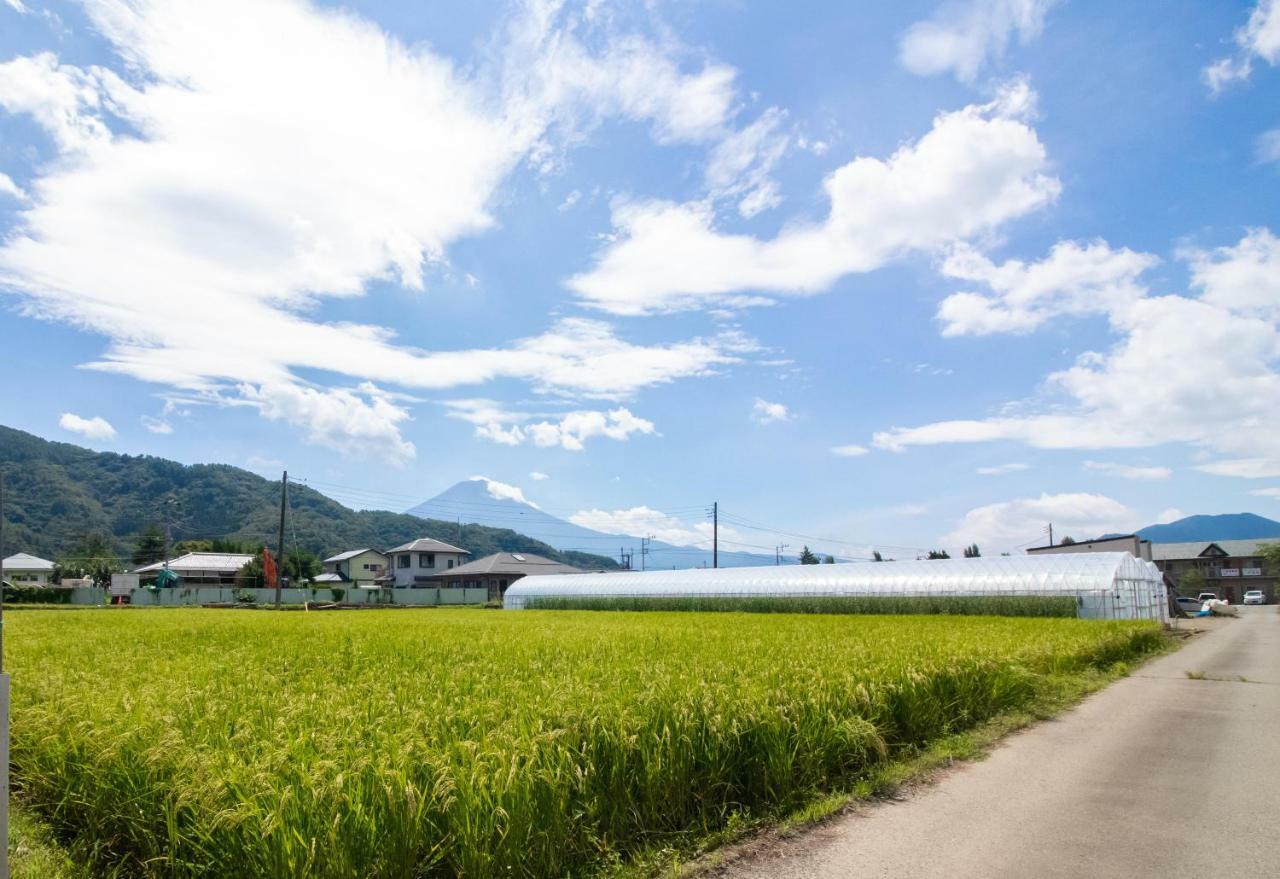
point(359, 567)
point(498, 571)
point(1138, 547)
point(418, 561)
point(203, 568)
point(1230, 567)
point(24, 569)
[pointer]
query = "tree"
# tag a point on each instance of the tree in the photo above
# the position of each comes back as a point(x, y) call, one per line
point(149, 546)
point(92, 558)
point(938, 554)
point(971, 551)
point(875, 556)
point(829, 560)
point(299, 567)
point(1066, 541)
point(807, 557)
point(1193, 582)
point(1271, 558)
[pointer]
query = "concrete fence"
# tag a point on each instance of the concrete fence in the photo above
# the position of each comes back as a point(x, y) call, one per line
point(197, 595)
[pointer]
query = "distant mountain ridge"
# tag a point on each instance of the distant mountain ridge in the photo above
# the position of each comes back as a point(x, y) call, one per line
point(488, 503)
point(1228, 526)
point(56, 494)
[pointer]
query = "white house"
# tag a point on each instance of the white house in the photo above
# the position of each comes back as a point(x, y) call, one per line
point(416, 562)
point(24, 569)
point(359, 567)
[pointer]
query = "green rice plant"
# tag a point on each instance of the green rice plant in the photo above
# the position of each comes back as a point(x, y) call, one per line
point(960, 605)
point(453, 743)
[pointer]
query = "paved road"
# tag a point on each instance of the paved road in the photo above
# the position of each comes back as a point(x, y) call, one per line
point(1158, 775)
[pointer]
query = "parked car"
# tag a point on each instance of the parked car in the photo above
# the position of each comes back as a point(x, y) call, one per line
point(1206, 596)
point(1254, 596)
point(1187, 604)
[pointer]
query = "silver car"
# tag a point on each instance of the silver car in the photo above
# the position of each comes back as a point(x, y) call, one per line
point(1254, 596)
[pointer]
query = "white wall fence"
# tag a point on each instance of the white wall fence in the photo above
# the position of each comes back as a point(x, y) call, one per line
point(198, 595)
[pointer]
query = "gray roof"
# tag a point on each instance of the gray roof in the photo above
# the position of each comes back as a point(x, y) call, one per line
point(350, 554)
point(1162, 552)
point(427, 544)
point(227, 562)
point(328, 578)
point(514, 563)
point(22, 561)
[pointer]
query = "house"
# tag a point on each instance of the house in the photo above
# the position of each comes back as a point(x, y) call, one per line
point(498, 571)
point(203, 568)
point(1230, 567)
point(359, 567)
point(416, 562)
point(1138, 547)
point(24, 569)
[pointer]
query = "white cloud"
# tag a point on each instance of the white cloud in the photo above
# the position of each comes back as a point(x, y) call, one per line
point(1002, 469)
point(1010, 524)
point(740, 164)
point(156, 425)
point(1266, 492)
point(645, 522)
point(1171, 514)
point(538, 476)
point(963, 35)
point(1128, 471)
point(17, 6)
point(764, 412)
point(570, 431)
point(183, 221)
point(1176, 359)
point(264, 464)
point(1259, 37)
point(502, 491)
point(96, 428)
point(1074, 279)
point(1267, 148)
point(976, 169)
point(1244, 468)
point(11, 189)
point(849, 451)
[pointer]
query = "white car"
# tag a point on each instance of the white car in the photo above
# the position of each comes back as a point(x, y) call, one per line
point(1254, 596)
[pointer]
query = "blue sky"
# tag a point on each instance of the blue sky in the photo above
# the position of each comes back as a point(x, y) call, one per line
point(900, 275)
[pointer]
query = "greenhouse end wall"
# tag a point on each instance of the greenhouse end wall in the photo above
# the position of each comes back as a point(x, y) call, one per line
point(1105, 585)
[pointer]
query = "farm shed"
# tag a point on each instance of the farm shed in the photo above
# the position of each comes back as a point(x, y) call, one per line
point(1106, 585)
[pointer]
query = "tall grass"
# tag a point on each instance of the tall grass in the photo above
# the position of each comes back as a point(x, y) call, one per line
point(223, 743)
point(957, 605)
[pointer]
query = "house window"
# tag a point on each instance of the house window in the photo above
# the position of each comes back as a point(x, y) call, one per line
point(402, 561)
point(451, 563)
point(426, 559)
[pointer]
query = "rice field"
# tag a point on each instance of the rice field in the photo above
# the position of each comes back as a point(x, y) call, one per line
point(195, 742)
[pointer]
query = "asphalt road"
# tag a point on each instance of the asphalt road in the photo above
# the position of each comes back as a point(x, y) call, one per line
point(1158, 775)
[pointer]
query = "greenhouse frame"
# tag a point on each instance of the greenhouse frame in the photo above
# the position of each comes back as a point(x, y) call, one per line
point(1106, 585)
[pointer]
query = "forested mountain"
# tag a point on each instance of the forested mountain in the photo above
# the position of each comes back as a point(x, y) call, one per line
point(57, 494)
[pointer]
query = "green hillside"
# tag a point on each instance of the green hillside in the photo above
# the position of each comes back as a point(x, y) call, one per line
point(58, 493)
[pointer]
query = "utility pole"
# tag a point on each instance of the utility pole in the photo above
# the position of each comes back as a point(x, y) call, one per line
point(644, 549)
point(459, 530)
point(4, 714)
point(715, 534)
point(1051, 534)
point(777, 550)
point(284, 502)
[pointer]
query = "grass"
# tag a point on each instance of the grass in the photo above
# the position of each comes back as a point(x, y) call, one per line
point(958, 605)
point(224, 743)
point(33, 852)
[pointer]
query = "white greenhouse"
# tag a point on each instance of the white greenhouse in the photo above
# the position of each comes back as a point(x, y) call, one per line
point(1106, 585)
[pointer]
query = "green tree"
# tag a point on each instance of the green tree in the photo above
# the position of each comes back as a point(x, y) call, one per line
point(971, 551)
point(92, 558)
point(1193, 582)
point(1066, 541)
point(875, 556)
point(149, 547)
point(829, 560)
point(300, 566)
point(807, 557)
point(1271, 558)
point(938, 554)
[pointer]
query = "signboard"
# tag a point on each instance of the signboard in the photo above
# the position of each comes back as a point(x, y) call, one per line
point(1229, 572)
point(1253, 572)
point(123, 584)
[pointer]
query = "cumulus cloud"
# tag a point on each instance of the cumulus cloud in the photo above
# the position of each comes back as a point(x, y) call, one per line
point(1258, 38)
point(764, 412)
point(1074, 279)
point(95, 428)
point(183, 221)
point(976, 169)
point(570, 431)
point(538, 476)
point(1002, 469)
point(1175, 358)
point(1007, 525)
point(11, 189)
point(963, 35)
point(1127, 471)
point(502, 491)
point(1171, 514)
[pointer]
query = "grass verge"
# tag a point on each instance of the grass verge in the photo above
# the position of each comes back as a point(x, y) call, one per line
point(34, 853)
